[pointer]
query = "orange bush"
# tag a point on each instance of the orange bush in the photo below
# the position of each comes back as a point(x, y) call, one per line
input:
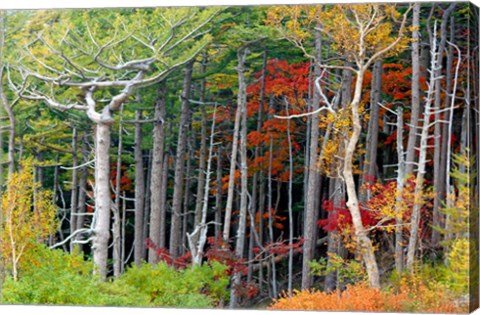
point(360, 297)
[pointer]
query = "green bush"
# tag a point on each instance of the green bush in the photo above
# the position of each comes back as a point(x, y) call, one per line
point(57, 278)
point(200, 286)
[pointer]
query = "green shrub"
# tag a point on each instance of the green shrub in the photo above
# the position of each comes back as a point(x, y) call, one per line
point(200, 286)
point(54, 277)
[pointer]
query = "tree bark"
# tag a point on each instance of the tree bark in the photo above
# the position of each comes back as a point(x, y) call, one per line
point(438, 172)
point(231, 178)
point(242, 218)
point(175, 237)
point(102, 199)
point(370, 166)
point(156, 206)
point(74, 191)
point(202, 161)
point(415, 110)
point(352, 203)
point(218, 194)
point(139, 191)
point(312, 188)
point(116, 229)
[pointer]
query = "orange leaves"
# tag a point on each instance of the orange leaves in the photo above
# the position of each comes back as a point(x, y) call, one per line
point(360, 297)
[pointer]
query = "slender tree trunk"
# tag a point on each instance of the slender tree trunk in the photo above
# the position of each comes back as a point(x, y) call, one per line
point(156, 205)
point(256, 175)
point(418, 195)
point(146, 212)
point(364, 241)
point(116, 229)
point(290, 207)
point(218, 194)
point(399, 207)
point(444, 157)
point(415, 111)
point(231, 178)
point(175, 237)
point(438, 172)
point(102, 199)
point(187, 196)
point(11, 129)
point(310, 211)
point(242, 107)
point(82, 186)
point(163, 201)
point(370, 166)
point(139, 191)
point(74, 191)
point(202, 161)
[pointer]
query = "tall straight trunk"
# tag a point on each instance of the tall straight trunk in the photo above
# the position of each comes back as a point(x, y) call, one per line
point(256, 174)
point(102, 199)
point(202, 227)
point(146, 212)
point(418, 195)
point(202, 161)
point(290, 209)
point(187, 196)
point(11, 119)
point(231, 177)
point(82, 185)
point(242, 218)
point(333, 241)
point(218, 194)
point(176, 224)
point(444, 158)
point(139, 191)
point(312, 188)
point(399, 199)
point(338, 191)
point(438, 183)
point(117, 221)
point(352, 203)
point(415, 111)
point(272, 270)
point(370, 165)
point(74, 191)
point(156, 205)
point(163, 201)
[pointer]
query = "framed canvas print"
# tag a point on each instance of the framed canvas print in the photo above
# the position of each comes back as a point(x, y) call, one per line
point(318, 156)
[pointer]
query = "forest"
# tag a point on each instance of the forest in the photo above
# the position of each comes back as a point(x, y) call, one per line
point(301, 157)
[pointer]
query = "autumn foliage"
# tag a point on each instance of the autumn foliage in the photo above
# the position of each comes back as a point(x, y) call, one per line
point(412, 296)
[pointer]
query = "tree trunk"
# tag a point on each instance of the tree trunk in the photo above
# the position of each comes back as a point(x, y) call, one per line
point(163, 201)
point(231, 177)
point(202, 161)
point(312, 188)
point(352, 203)
point(370, 166)
point(175, 237)
point(218, 194)
point(139, 191)
point(82, 186)
point(117, 229)
point(187, 195)
point(242, 218)
point(418, 195)
point(438, 172)
point(102, 199)
point(415, 111)
point(74, 191)
point(156, 205)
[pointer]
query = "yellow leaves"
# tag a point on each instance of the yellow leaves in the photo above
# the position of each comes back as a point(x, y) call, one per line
point(26, 219)
point(294, 22)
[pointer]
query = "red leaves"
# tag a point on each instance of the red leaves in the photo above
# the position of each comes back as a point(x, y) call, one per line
point(221, 252)
point(165, 256)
